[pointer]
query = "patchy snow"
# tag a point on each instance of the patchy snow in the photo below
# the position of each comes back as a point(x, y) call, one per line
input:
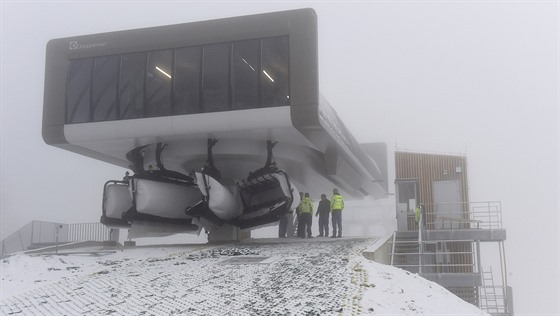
point(319, 276)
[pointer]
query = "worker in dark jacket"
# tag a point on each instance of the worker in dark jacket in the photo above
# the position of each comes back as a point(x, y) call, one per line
point(337, 205)
point(283, 224)
point(323, 211)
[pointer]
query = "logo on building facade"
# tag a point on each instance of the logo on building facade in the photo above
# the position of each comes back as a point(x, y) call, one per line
point(74, 45)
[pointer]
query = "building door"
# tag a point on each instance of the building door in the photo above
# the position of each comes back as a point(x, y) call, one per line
point(407, 197)
point(448, 202)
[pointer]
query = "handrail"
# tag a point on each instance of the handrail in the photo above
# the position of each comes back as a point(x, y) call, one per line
point(486, 215)
point(432, 241)
point(393, 247)
point(438, 265)
point(420, 244)
point(498, 302)
point(431, 253)
point(424, 265)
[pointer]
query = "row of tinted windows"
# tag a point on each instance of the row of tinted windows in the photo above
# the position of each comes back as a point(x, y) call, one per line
point(210, 78)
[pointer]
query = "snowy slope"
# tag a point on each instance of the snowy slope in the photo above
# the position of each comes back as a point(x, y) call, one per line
point(319, 276)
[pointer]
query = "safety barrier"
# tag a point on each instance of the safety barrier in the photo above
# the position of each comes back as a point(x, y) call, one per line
point(455, 264)
point(40, 233)
point(471, 215)
point(88, 232)
point(430, 257)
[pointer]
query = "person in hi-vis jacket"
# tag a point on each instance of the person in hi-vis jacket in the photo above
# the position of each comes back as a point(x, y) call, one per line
point(337, 205)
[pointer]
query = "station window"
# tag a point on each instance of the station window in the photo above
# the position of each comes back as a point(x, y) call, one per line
point(275, 72)
point(105, 84)
point(158, 83)
point(186, 95)
point(215, 77)
point(131, 86)
point(78, 91)
point(246, 65)
point(200, 79)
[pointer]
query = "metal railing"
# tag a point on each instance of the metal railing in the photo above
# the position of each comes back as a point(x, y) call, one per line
point(420, 243)
point(424, 258)
point(468, 215)
point(428, 257)
point(88, 232)
point(417, 257)
point(37, 233)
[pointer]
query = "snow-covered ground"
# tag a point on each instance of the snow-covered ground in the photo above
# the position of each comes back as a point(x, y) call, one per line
point(319, 276)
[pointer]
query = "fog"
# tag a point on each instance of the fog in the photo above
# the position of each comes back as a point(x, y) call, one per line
point(473, 78)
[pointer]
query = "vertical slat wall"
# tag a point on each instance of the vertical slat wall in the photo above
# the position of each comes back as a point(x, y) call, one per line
point(88, 232)
point(427, 168)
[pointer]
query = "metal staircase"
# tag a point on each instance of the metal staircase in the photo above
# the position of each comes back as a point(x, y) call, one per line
point(488, 296)
point(406, 251)
point(435, 252)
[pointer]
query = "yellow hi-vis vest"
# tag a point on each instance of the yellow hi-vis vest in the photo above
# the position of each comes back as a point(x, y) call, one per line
point(418, 214)
point(306, 206)
point(337, 203)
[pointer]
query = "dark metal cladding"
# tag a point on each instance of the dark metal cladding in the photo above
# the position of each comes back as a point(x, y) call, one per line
point(242, 80)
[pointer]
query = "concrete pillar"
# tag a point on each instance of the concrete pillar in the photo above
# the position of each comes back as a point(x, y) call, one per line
point(113, 238)
point(114, 234)
point(229, 233)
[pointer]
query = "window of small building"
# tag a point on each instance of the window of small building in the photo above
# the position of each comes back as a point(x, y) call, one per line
point(78, 91)
point(131, 86)
point(159, 76)
point(186, 91)
point(105, 86)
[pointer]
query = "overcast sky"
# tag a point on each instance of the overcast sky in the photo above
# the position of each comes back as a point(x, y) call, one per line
point(475, 78)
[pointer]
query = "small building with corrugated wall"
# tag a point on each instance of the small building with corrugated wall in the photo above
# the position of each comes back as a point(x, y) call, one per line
point(439, 230)
point(432, 180)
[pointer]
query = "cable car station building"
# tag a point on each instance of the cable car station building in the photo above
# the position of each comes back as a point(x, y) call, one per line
point(205, 113)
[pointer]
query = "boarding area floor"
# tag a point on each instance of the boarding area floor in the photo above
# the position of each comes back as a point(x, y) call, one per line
point(289, 276)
